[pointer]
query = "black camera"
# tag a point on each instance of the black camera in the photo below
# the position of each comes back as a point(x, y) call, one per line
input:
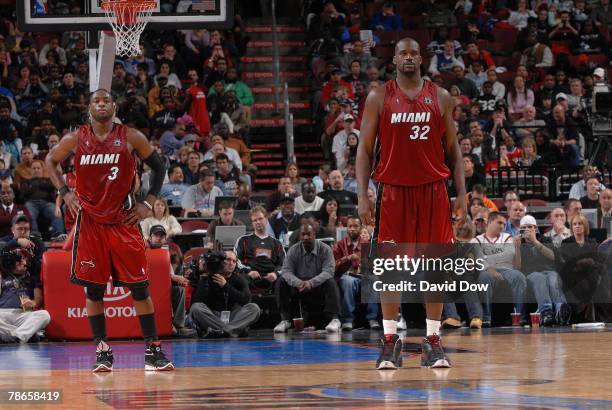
point(9, 259)
point(213, 264)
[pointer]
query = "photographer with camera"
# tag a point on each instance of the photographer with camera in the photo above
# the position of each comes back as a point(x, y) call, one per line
point(159, 239)
point(20, 294)
point(221, 302)
point(538, 264)
point(22, 238)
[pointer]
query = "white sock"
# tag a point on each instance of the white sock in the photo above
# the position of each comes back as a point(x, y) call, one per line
point(389, 327)
point(433, 327)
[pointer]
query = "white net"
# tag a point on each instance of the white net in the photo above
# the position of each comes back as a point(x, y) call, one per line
point(128, 20)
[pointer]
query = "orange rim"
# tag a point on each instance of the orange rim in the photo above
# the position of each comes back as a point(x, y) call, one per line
point(137, 4)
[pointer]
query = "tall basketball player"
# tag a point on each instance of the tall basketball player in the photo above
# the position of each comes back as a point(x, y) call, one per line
point(409, 123)
point(107, 240)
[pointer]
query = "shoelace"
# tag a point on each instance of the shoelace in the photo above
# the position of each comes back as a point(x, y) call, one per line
point(434, 340)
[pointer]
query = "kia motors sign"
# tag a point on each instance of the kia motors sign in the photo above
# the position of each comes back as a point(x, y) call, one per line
point(65, 301)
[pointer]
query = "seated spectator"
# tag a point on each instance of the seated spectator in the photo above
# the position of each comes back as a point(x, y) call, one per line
point(580, 268)
point(530, 158)
point(445, 61)
point(347, 254)
point(440, 37)
point(474, 206)
point(589, 40)
point(308, 201)
point(340, 141)
point(39, 195)
point(337, 191)
point(472, 175)
point(157, 238)
point(565, 144)
point(226, 218)
point(357, 54)
point(479, 191)
point(308, 275)
point(578, 190)
point(225, 291)
point(564, 30)
point(244, 203)
point(537, 263)
point(591, 199)
point(292, 171)
point(515, 214)
point(538, 53)
point(518, 18)
point(172, 191)
point(605, 208)
point(259, 254)
point(330, 215)
point(482, 148)
point(502, 258)
point(9, 209)
point(350, 178)
point(386, 19)
point(464, 234)
point(284, 187)
point(243, 92)
point(200, 198)
point(21, 295)
point(21, 238)
point(285, 221)
point(191, 169)
point(310, 218)
point(519, 97)
point(23, 170)
point(529, 122)
point(356, 75)
point(559, 231)
point(235, 142)
point(161, 217)
point(481, 219)
point(440, 16)
point(238, 115)
point(229, 177)
point(321, 181)
point(231, 153)
point(334, 82)
point(172, 139)
point(467, 87)
point(473, 53)
point(499, 89)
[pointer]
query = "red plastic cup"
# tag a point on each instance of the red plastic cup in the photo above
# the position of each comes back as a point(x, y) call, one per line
point(516, 319)
point(535, 319)
point(298, 324)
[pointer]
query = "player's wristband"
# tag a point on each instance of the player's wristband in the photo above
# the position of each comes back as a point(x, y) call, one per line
point(63, 191)
point(148, 205)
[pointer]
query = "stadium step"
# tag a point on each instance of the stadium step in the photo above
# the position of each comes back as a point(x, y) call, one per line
point(296, 105)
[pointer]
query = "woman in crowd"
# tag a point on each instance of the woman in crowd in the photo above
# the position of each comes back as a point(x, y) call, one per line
point(330, 216)
point(530, 158)
point(161, 216)
point(519, 97)
point(292, 171)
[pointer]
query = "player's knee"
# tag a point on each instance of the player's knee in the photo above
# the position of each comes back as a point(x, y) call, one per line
point(95, 294)
point(140, 293)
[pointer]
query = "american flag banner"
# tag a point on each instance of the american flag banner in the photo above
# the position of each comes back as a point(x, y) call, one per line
point(203, 5)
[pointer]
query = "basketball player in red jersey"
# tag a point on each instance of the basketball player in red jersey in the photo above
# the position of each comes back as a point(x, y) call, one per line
point(107, 239)
point(409, 120)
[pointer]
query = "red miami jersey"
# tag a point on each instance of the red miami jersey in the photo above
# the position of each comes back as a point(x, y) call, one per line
point(105, 172)
point(409, 147)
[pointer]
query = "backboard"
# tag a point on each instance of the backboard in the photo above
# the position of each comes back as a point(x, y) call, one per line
point(86, 15)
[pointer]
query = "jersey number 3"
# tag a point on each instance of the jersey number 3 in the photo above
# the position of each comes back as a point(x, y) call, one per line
point(113, 174)
point(419, 133)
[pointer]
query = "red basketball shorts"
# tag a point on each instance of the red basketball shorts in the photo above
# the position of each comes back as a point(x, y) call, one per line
point(100, 251)
point(413, 214)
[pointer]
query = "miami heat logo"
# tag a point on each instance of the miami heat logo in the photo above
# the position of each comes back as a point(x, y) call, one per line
point(86, 266)
point(428, 100)
point(117, 143)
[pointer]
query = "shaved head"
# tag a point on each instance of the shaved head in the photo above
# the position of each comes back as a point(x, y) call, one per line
point(406, 41)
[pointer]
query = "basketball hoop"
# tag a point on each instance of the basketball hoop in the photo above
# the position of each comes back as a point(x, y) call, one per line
point(128, 19)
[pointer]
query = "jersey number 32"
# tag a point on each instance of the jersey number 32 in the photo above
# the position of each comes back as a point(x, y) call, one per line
point(419, 132)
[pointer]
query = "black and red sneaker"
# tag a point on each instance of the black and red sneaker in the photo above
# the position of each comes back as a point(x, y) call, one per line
point(155, 359)
point(432, 353)
point(391, 356)
point(104, 359)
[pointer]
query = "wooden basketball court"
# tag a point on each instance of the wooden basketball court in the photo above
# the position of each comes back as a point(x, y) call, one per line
point(492, 369)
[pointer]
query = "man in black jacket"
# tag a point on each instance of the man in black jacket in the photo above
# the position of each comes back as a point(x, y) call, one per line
point(221, 294)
